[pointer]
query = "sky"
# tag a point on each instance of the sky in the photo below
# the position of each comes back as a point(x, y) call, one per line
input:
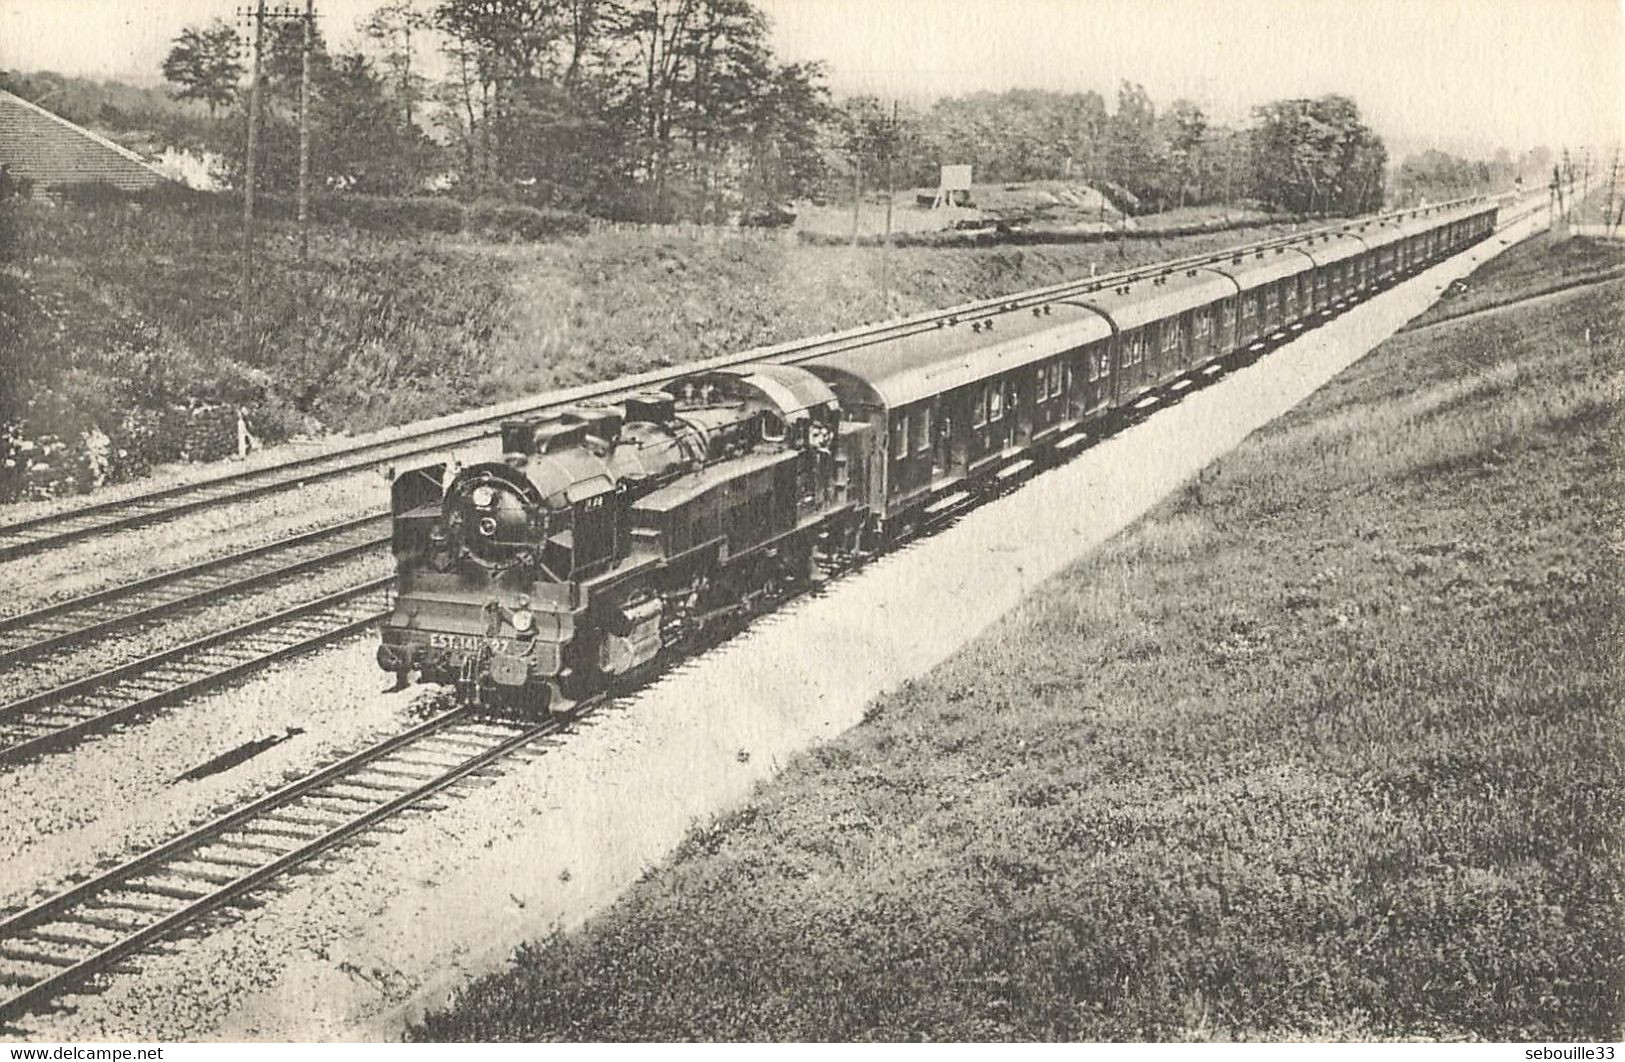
point(1460, 74)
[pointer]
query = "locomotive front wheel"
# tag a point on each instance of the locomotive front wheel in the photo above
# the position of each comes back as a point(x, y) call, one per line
point(530, 701)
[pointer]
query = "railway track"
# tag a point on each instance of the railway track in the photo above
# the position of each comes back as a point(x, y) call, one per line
point(62, 943)
point(53, 718)
point(116, 610)
point(59, 716)
point(37, 534)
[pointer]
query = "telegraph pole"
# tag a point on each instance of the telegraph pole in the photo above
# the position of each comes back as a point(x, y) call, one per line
point(1613, 180)
point(885, 246)
point(857, 187)
point(258, 15)
point(304, 133)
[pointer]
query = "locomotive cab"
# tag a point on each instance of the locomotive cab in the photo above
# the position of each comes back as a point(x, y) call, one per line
point(575, 557)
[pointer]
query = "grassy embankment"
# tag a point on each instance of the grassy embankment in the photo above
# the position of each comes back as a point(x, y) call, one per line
point(1546, 265)
point(114, 308)
point(1327, 746)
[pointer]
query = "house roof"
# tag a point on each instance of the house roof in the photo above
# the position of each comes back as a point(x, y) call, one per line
point(52, 152)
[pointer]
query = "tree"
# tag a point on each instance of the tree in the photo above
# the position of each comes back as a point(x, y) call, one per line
point(1317, 156)
point(204, 63)
point(1134, 152)
point(392, 29)
point(1185, 135)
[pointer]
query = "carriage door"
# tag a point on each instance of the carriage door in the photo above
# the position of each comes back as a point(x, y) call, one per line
point(999, 418)
point(942, 444)
point(1017, 405)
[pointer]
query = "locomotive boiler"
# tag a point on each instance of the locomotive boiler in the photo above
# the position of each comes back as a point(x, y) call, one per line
point(604, 534)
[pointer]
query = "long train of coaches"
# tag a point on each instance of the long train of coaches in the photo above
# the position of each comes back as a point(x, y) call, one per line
point(608, 534)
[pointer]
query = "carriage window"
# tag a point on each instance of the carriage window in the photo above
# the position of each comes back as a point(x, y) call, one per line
point(1103, 365)
point(978, 407)
point(1041, 383)
point(1170, 337)
point(772, 428)
point(995, 402)
point(922, 429)
point(1055, 378)
point(899, 437)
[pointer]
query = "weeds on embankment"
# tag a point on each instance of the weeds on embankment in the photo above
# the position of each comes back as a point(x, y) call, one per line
point(1328, 746)
point(115, 311)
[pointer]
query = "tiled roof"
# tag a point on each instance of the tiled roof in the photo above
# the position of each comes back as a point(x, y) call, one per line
point(52, 151)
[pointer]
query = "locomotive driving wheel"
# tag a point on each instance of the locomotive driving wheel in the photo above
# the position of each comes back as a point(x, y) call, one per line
point(530, 701)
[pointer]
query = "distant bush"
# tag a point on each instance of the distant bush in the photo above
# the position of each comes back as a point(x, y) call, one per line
point(387, 215)
point(498, 220)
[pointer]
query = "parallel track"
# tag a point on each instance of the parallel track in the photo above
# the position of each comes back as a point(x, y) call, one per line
point(58, 944)
point(62, 943)
point(46, 532)
point(39, 722)
point(108, 613)
point(56, 717)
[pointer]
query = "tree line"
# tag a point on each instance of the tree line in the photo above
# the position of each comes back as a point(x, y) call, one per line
point(665, 109)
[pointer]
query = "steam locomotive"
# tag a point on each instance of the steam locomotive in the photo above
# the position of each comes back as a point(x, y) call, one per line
point(606, 535)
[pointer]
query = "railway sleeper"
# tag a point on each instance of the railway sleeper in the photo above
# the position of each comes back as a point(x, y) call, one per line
point(53, 935)
point(207, 854)
point(111, 925)
point(164, 888)
point(380, 786)
point(189, 869)
point(129, 900)
point(415, 776)
point(294, 822)
point(11, 951)
point(340, 792)
point(237, 839)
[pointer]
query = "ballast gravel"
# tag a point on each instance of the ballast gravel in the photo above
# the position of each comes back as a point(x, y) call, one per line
point(364, 941)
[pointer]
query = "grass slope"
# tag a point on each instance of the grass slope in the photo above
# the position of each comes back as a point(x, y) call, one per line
point(112, 307)
point(1327, 746)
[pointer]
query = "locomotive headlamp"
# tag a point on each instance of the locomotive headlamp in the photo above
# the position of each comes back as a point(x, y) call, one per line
point(482, 496)
point(522, 619)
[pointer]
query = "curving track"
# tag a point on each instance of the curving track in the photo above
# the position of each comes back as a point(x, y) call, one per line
point(30, 536)
point(56, 717)
point(64, 941)
point(113, 611)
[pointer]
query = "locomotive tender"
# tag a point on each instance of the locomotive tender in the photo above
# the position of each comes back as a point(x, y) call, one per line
point(606, 534)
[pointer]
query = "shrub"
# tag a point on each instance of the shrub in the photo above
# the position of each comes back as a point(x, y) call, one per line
point(508, 221)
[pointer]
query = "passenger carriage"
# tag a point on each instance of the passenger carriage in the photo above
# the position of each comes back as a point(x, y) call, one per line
point(956, 403)
point(1270, 288)
point(1165, 326)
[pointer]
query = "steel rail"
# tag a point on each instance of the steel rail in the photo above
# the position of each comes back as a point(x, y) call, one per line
point(59, 909)
point(188, 848)
point(34, 534)
point(51, 718)
point(47, 632)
